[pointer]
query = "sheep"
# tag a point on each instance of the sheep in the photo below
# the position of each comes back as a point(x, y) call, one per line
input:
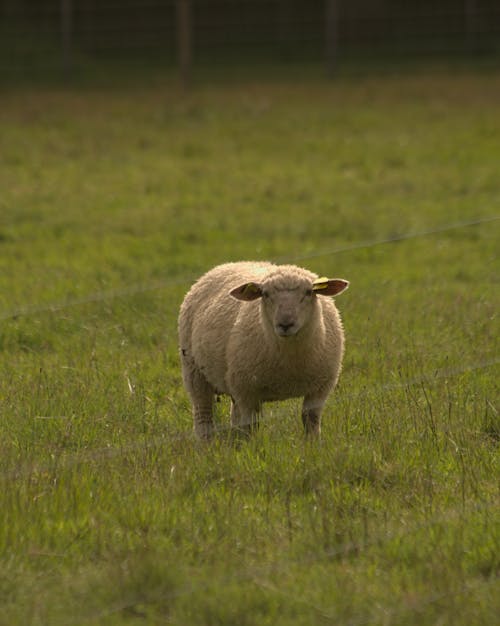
point(260, 332)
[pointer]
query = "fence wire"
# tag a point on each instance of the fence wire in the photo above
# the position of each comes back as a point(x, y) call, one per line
point(109, 452)
point(259, 576)
point(138, 288)
point(329, 614)
point(64, 34)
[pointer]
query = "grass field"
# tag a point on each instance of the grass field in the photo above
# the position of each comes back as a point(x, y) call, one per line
point(111, 202)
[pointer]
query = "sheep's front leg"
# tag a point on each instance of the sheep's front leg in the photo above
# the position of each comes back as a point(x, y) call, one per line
point(203, 417)
point(244, 417)
point(311, 415)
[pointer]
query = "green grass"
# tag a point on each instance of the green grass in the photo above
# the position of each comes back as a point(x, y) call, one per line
point(111, 202)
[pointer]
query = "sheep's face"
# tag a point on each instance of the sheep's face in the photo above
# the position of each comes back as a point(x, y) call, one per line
point(287, 301)
point(287, 310)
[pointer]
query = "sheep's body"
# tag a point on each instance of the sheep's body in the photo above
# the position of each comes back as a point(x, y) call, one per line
point(290, 344)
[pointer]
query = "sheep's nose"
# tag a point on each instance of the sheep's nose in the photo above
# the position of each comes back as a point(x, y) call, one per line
point(284, 326)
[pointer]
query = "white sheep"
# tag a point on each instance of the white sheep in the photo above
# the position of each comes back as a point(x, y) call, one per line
point(287, 346)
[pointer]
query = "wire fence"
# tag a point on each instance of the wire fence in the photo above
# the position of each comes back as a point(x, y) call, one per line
point(67, 461)
point(260, 575)
point(135, 289)
point(63, 35)
point(172, 436)
point(267, 576)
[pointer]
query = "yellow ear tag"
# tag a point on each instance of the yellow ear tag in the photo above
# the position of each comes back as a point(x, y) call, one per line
point(251, 288)
point(320, 283)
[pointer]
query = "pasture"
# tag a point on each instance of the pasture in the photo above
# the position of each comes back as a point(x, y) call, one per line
point(112, 201)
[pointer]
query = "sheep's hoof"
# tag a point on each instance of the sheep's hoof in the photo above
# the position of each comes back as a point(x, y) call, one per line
point(243, 433)
point(313, 435)
point(312, 430)
point(204, 433)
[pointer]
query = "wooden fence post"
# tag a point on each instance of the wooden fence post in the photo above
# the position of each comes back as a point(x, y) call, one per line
point(470, 10)
point(332, 36)
point(66, 25)
point(185, 41)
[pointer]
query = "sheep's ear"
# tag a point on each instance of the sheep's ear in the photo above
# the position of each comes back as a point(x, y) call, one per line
point(247, 292)
point(330, 286)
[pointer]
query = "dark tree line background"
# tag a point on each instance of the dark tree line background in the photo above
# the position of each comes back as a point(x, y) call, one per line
point(196, 31)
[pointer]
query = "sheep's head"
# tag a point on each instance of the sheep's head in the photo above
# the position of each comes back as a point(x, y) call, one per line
point(288, 299)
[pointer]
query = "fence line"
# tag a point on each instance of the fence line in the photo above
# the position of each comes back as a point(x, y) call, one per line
point(397, 238)
point(329, 615)
point(326, 614)
point(98, 296)
point(430, 377)
point(65, 33)
point(345, 549)
point(131, 290)
point(110, 452)
point(255, 574)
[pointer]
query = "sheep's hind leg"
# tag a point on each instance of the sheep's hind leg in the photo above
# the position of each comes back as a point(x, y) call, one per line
point(202, 398)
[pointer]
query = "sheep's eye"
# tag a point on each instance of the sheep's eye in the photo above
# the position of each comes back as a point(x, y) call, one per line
point(309, 292)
